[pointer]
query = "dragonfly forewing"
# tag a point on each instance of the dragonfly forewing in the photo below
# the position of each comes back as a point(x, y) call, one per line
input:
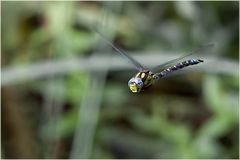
point(136, 64)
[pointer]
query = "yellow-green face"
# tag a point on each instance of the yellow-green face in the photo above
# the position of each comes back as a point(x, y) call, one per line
point(134, 88)
point(135, 84)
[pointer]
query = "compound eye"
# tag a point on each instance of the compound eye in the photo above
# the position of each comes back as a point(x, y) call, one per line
point(138, 82)
point(130, 81)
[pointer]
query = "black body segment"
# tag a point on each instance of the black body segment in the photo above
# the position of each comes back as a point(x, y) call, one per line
point(176, 67)
point(202, 48)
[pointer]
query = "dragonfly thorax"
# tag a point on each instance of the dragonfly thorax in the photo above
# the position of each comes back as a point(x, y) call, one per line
point(141, 80)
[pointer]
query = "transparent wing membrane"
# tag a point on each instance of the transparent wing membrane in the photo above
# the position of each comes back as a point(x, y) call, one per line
point(174, 61)
point(136, 64)
point(140, 67)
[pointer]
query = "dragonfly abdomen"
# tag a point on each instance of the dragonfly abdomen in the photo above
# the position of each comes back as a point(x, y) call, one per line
point(178, 66)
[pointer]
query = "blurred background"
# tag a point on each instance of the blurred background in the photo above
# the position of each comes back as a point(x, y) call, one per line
point(64, 90)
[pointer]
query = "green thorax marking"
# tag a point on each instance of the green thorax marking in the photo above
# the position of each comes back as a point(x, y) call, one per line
point(146, 77)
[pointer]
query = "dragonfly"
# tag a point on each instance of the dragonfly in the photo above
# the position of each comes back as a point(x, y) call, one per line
point(145, 77)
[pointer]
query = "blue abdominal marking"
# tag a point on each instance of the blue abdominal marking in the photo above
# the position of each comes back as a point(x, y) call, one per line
point(178, 66)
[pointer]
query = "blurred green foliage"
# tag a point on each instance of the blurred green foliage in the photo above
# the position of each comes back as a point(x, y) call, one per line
point(181, 117)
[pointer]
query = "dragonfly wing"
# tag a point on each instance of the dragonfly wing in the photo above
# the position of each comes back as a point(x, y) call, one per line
point(136, 64)
point(130, 59)
point(168, 63)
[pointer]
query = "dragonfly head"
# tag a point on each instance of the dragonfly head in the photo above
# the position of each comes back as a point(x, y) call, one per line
point(135, 84)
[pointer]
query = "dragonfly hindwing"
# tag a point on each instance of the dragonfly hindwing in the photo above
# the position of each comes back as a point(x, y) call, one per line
point(171, 62)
